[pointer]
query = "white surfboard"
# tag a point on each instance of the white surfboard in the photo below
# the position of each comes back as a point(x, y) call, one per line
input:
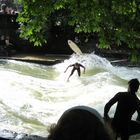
point(74, 47)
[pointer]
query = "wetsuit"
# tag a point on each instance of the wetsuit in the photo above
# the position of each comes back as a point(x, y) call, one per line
point(127, 105)
point(76, 67)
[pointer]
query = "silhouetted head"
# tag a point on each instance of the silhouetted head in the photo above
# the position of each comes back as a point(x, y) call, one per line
point(3, 7)
point(133, 85)
point(79, 123)
point(77, 63)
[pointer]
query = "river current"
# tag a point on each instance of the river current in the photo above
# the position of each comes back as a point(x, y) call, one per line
point(33, 96)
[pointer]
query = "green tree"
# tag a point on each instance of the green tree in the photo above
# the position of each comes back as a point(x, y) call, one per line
point(114, 21)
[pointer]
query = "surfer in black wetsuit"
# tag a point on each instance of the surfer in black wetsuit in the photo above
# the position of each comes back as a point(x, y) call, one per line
point(75, 66)
point(127, 104)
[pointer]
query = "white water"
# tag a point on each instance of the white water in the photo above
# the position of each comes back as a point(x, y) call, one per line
point(34, 96)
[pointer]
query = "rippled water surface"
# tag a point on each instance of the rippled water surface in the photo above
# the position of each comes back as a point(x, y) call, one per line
point(34, 96)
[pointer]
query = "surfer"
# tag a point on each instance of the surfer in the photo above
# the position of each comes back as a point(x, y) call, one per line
point(127, 104)
point(75, 66)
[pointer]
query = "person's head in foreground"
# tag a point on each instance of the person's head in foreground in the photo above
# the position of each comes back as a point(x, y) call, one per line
point(133, 85)
point(79, 123)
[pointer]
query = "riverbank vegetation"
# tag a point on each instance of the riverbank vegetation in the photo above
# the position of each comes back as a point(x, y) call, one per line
point(115, 23)
point(111, 24)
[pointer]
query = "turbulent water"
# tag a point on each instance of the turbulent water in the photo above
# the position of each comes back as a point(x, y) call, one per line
point(33, 96)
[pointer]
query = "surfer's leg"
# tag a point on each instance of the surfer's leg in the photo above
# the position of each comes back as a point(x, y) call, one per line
point(134, 127)
point(71, 73)
point(79, 72)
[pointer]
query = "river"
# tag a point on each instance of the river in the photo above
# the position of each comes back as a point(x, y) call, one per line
point(34, 96)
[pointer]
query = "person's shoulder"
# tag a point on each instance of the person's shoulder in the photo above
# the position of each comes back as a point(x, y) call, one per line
point(80, 64)
point(121, 93)
point(126, 95)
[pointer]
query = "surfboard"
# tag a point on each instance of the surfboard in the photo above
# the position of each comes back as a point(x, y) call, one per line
point(74, 47)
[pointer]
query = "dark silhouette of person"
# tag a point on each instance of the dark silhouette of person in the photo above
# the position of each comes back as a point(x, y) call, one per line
point(79, 123)
point(3, 9)
point(127, 104)
point(76, 66)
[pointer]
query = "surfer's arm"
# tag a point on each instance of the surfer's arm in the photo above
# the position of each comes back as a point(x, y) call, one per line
point(108, 106)
point(67, 68)
point(82, 67)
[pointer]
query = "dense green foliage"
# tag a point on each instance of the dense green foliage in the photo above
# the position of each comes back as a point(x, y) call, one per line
point(114, 21)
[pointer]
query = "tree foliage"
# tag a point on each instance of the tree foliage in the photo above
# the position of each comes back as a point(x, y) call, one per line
point(115, 21)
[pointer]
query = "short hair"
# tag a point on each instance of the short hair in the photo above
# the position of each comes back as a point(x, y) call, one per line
point(134, 85)
point(79, 124)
